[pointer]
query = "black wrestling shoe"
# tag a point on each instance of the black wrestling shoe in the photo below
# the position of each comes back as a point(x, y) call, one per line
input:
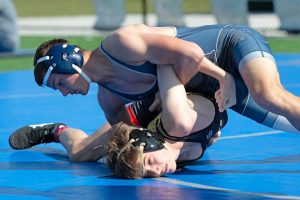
point(28, 136)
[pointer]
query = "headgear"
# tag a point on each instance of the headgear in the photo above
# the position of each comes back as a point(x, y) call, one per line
point(63, 59)
point(146, 139)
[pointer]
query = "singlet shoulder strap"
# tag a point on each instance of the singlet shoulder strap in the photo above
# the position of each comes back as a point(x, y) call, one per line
point(146, 68)
point(201, 136)
point(143, 68)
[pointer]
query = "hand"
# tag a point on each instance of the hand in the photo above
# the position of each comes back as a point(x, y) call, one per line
point(214, 139)
point(226, 95)
point(156, 105)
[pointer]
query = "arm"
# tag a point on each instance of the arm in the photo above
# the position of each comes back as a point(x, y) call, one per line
point(177, 116)
point(141, 43)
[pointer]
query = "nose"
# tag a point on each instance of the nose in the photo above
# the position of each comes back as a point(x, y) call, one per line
point(156, 171)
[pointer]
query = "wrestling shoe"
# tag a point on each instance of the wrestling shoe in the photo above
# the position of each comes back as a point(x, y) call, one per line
point(28, 136)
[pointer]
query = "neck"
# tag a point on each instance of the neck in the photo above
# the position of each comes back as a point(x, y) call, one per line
point(94, 65)
point(190, 151)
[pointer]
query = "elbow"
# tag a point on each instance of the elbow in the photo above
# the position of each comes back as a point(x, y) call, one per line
point(197, 54)
point(189, 62)
point(193, 55)
point(178, 127)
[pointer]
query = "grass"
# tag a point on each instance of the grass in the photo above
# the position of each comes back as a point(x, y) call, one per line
point(278, 45)
point(85, 7)
point(285, 44)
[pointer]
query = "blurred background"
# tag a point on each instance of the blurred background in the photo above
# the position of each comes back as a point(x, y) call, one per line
point(86, 22)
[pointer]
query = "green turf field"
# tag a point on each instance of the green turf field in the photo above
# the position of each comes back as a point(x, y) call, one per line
point(85, 7)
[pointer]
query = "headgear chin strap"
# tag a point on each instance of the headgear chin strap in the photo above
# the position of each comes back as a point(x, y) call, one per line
point(63, 59)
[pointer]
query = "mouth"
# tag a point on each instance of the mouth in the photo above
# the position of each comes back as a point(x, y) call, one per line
point(72, 92)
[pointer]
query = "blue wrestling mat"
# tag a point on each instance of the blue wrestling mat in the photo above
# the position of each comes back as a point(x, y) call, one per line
point(249, 161)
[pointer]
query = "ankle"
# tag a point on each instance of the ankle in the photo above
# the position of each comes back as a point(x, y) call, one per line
point(58, 132)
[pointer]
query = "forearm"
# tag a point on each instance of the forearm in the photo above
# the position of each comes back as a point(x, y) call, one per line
point(209, 68)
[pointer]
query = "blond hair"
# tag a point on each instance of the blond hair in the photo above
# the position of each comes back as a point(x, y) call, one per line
point(124, 160)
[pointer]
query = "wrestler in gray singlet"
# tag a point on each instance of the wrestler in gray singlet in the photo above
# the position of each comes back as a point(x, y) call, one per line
point(229, 47)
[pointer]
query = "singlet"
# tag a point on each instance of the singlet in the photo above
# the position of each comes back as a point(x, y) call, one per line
point(146, 68)
point(226, 46)
point(141, 116)
point(202, 136)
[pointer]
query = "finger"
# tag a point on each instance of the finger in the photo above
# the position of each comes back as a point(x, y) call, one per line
point(223, 103)
point(218, 134)
point(211, 142)
point(216, 94)
point(214, 139)
point(218, 97)
point(222, 107)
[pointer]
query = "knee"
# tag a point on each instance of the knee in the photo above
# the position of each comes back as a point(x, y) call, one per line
point(74, 156)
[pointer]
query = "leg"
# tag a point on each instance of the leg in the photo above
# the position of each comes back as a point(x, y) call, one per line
point(262, 79)
point(84, 148)
point(80, 146)
point(249, 108)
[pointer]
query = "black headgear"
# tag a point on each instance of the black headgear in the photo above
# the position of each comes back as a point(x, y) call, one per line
point(146, 138)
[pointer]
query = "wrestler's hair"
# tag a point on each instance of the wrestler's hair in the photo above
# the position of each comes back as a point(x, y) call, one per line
point(41, 68)
point(127, 164)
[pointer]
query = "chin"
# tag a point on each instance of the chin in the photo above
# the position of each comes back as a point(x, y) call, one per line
point(85, 92)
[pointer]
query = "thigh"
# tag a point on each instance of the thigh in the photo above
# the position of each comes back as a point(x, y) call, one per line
point(260, 75)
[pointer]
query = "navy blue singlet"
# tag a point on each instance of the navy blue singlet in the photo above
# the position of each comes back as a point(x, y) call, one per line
point(226, 46)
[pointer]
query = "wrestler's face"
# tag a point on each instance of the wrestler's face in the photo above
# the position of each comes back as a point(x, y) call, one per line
point(158, 163)
point(68, 84)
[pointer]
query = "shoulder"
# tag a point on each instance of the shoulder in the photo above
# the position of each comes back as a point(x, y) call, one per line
point(127, 43)
point(125, 33)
